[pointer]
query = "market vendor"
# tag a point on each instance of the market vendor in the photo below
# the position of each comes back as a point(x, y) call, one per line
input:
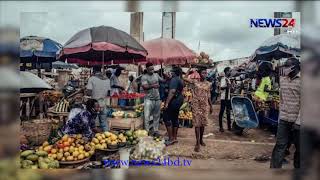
point(115, 83)
point(264, 72)
point(201, 106)
point(152, 103)
point(82, 120)
point(98, 88)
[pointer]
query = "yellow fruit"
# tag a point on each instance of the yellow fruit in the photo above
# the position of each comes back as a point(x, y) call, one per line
point(45, 144)
point(47, 149)
point(99, 138)
point(40, 148)
point(75, 159)
point(66, 154)
point(102, 141)
point(98, 134)
point(73, 144)
point(95, 140)
point(65, 138)
point(91, 152)
point(75, 154)
point(76, 149)
point(104, 145)
point(54, 156)
point(108, 134)
point(70, 158)
point(54, 151)
point(63, 159)
point(98, 146)
point(66, 143)
point(92, 144)
point(103, 136)
point(59, 156)
point(71, 149)
point(81, 156)
point(79, 136)
point(60, 150)
point(81, 151)
point(81, 148)
point(113, 143)
point(86, 154)
point(109, 141)
point(113, 138)
point(66, 149)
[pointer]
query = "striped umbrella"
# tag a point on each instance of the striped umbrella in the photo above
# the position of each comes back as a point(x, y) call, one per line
point(102, 45)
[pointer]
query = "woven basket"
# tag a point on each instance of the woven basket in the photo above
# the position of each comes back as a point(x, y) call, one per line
point(37, 131)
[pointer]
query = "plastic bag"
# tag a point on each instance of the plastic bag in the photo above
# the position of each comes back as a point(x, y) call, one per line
point(148, 149)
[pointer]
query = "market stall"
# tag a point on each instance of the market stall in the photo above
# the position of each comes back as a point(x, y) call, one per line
point(37, 53)
point(126, 111)
point(104, 150)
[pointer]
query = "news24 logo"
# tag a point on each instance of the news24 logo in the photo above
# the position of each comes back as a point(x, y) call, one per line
point(273, 23)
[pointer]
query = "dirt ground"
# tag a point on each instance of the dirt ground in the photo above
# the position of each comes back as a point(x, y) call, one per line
point(256, 135)
point(225, 150)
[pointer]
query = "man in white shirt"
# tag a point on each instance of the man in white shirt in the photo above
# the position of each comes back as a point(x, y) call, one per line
point(99, 88)
point(225, 87)
point(115, 83)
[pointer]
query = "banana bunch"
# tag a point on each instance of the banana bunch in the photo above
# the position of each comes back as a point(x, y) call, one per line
point(62, 106)
point(187, 94)
point(185, 115)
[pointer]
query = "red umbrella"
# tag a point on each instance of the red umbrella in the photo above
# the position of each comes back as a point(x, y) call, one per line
point(168, 52)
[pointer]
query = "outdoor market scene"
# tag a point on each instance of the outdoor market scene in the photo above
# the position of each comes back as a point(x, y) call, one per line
point(107, 99)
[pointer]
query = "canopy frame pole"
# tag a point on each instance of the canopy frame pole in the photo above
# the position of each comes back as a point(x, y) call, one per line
point(38, 67)
point(161, 70)
point(103, 62)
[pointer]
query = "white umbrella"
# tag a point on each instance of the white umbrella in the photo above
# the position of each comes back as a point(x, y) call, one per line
point(30, 83)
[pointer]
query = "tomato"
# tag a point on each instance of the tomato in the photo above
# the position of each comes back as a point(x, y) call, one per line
point(60, 146)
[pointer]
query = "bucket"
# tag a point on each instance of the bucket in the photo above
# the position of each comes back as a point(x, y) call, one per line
point(122, 102)
point(124, 157)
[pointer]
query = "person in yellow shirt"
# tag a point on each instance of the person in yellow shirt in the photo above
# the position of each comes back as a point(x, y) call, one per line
point(265, 86)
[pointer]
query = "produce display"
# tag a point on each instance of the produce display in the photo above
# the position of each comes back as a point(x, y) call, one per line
point(139, 109)
point(185, 115)
point(149, 149)
point(108, 140)
point(185, 112)
point(52, 96)
point(69, 148)
point(62, 106)
point(187, 93)
point(204, 58)
point(126, 95)
point(123, 114)
point(118, 114)
point(30, 159)
point(140, 133)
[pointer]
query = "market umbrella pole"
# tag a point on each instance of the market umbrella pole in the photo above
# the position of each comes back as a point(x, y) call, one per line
point(161, 70)
point(38, 68)
point(102, 62)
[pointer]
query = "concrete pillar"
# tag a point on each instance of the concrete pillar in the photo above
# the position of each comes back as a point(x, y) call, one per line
point(278, 31)
point(168, 25)
point(136, 26)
